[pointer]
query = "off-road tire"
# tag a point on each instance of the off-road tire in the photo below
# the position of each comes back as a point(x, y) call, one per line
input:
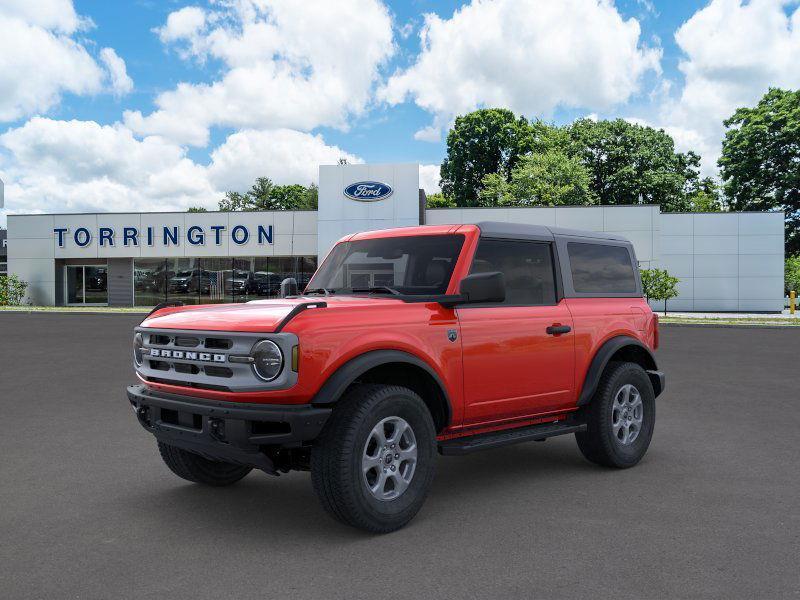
point(193, 467)
point(336, 458)
point(598, 444)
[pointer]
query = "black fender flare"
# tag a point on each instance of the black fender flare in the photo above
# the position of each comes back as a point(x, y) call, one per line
point(603, 356)
point(335, 386)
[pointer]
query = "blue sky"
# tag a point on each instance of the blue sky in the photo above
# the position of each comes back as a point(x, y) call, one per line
point(140, 104)
point(127, 26)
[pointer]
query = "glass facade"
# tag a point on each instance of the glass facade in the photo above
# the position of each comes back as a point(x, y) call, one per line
point(87, 284)
point(215, 280)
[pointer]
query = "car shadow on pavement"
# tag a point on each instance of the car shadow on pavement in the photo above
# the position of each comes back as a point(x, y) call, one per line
point(262, 507)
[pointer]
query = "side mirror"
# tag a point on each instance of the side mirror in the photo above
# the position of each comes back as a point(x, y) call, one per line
point(483, 287)
point(288, 287)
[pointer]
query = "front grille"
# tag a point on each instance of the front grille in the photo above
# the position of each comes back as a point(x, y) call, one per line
point(200, 359)
point(218, 343)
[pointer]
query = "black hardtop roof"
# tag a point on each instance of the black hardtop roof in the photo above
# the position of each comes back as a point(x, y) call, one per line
point(541, 232)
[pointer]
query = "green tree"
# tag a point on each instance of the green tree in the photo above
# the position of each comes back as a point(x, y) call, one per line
point(234, 201)
point(548, 179)
point(658, 284)
point(791, 277)
point(485, 141)
point(12, 290)
point(495, 190)
point(197, 209)
point(288, 197)
point(439, 200)
point(706, 196)
point(265, 195)
point(760, 162)
point(627, 161)
point(312, 197)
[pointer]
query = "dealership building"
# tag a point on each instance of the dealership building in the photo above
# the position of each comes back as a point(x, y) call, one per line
point(725, 261)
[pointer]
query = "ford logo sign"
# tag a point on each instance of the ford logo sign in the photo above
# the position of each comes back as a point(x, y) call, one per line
point(368, 191)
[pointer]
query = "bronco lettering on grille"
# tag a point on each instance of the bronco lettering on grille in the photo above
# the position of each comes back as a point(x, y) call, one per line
point(182, 354)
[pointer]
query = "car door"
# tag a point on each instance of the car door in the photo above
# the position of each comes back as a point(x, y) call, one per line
point(518, 355)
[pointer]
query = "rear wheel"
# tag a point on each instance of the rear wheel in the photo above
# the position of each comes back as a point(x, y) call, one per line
point(373, 464)
point(195, 468)
point(620, 418)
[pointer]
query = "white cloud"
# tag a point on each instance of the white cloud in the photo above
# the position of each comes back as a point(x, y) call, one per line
point(81, 166)
point(183, 24)
point(429, 178)
point(41, 58)
point(531, 56)
point(58, 15)
point(283, 155)
point(121, 83)
point(287, 64)
point(734, 51)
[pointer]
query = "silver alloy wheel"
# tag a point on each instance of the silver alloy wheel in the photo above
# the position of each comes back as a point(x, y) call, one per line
point(627, 414)
point(389, 458)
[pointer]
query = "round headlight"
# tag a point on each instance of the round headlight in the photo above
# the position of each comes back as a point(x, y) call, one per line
point(268, 360)
point(138, 342)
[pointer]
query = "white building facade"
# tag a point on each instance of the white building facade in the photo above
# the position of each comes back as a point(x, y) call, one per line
point(725, 261)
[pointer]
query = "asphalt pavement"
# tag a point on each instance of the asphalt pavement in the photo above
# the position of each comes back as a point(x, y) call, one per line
point(88, 510)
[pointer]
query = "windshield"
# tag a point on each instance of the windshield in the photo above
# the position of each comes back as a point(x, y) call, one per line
point(420, 265)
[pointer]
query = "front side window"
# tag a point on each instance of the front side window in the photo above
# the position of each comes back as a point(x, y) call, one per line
point(527, 268)
point(601, 269)
point(414, 265)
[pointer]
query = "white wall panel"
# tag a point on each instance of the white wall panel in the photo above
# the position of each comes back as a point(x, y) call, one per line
point(627, 218)
point(710, 288)
point(677, 244)
point(716, 244)
point(760, 288)
point(761, 244)
point(716, 224)
point(678, 265)
point(759, 265)
point(589, 218)
point(761, 223)
point(677, 224)
point(716, 265)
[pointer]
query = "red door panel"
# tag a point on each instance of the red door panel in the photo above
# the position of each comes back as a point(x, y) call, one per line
point(512, 367)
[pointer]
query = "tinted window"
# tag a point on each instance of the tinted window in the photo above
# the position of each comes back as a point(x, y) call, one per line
point(420, 264)
point(526, 266)
point(601, 269)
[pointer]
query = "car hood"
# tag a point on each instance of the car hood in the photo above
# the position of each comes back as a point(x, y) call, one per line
point(262, 316)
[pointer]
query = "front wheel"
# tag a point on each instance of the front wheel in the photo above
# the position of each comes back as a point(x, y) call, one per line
point(620, 418)
point(373, 464)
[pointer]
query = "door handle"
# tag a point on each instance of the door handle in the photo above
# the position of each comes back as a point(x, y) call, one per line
point(558, 329)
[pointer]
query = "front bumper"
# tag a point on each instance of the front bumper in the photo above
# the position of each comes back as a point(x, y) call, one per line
point(225, 431)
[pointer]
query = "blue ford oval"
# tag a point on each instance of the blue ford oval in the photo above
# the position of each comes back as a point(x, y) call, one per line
point(368, 191)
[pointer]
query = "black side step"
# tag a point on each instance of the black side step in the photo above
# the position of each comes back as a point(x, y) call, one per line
point(495, 439)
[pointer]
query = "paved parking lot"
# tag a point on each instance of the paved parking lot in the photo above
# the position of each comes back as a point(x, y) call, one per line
point(87, 509)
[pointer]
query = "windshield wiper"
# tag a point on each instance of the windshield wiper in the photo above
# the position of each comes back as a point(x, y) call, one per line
point(323, 291)
point(376, 289)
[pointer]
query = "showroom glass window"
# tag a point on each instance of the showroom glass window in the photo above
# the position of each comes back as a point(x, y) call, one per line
point(86, 284)
point(527, 268)
point(601, 269)
point(217, 279)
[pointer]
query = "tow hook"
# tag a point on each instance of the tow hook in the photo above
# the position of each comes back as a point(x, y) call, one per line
point(143, 414)
point(216, 427)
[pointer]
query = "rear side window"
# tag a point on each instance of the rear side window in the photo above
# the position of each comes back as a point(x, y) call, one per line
point(601, 269)
point(526, 266)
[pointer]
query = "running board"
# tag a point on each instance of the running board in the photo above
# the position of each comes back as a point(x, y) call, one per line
point(506, 437)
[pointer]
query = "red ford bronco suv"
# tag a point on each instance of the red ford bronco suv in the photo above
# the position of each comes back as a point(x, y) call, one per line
point(406, 341)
